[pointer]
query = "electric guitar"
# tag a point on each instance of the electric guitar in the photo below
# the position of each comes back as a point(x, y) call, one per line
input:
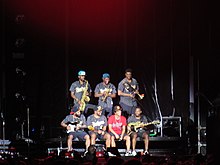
point(137, 125)
point(73, 127)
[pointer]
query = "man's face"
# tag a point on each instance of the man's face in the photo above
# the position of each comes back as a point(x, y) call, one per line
point(98, 112)
point(118, 112)
point(77, 113)
point(106, 80)
point(82, 78)
point(138, 112)
point(128, 75)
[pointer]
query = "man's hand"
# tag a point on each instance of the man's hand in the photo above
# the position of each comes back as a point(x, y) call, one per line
point(121, 138)
point(117, 136)
point(142, 125)
point(77, 127)
point(99, 131)
point(68, 127)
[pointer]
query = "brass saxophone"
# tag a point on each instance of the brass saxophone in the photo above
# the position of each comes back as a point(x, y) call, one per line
point(84, 98)
point(106, 95)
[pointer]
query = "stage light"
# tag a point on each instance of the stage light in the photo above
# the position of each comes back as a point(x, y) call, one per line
point(19, 19)
point(203, 136)
point(20, 71)
point(19, 42)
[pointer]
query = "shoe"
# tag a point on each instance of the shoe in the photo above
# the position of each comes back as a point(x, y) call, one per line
point(134, 153)
point(85, 153)
point(128, 153)
point(110, 154)
point(146, 152)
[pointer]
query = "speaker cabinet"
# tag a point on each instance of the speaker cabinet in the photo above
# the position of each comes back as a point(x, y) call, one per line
point(171, 127)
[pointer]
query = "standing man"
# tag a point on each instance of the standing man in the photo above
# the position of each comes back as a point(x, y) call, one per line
point(141, 132)
point(74, 124)
point(127, 89)
point(105, 91)
point(80, 92)
point(117, 127)
point(99, 123)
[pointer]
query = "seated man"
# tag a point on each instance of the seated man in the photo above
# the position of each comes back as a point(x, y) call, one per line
point(99, 123)
point(74, 123)
point(141, 132)
point(117, 126)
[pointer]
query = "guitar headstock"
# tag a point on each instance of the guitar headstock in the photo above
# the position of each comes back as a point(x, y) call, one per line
point(156, 122)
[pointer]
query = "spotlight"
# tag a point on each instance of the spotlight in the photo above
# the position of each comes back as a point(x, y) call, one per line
point(19, 19)
point(20, 71)
point(203, 136)
point(19, 42)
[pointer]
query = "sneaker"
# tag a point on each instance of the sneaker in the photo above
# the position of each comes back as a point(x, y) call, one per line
point(128, 153)
point(85, 153)
point(134, 153)
point(146, 152)
point(110, 154)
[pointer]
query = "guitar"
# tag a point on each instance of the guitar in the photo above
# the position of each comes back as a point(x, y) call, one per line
point(136, 125)
point(73, 127)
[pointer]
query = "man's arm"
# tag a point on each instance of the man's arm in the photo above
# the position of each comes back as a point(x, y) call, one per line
point(120, 93)
point(123, 131)
point(112, 131)
point(74, 97)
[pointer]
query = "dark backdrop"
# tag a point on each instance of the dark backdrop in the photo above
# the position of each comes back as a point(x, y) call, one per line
point(153, 37)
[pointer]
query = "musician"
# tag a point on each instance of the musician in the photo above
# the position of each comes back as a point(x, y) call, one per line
point(77, 90)
point(141, 132)
point(105, 91)
point(80, 120)
point(127, 88)
point(117, 127)
point(99, 123)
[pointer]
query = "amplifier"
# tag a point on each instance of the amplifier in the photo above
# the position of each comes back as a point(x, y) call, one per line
point(171, 127)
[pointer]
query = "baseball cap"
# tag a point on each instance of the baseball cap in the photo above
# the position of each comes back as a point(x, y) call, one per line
point(74, 109)
point(105, 75)
point(81, 73)
point(98, 108)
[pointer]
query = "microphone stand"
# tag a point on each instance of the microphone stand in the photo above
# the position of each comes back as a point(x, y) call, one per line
point(28, 130)
point(28, 140)
point(3, 131)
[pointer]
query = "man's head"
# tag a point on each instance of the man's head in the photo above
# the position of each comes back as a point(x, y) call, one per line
point(138, 111)
point(117, 110)
point(98, 110)
point(128, 73)
point(81, 75)
point(106, 78)
point(75, 111)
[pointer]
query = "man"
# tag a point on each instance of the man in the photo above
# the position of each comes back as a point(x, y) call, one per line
point(117, 127)
point(80, 92)
point(141, 132)
point(99, 123)
point(76, 130)
point(105, 91)
point(127, 89)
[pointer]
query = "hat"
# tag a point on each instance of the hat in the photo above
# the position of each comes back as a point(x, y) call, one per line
point(81, 73)
point(98, 108)
point(74, 109)
point(105, 75)
point(117, 108)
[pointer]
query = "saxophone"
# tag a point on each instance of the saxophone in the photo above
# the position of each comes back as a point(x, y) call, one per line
point(107, 90)
point(84, 98)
